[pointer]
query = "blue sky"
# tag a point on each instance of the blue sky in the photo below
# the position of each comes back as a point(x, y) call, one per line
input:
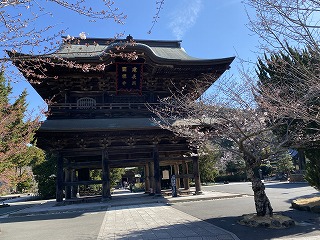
point(208, 29)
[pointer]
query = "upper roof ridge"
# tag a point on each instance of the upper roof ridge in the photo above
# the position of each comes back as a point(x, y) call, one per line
point(129, 38)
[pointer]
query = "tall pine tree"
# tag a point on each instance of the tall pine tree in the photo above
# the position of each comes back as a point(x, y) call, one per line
point(16, 128)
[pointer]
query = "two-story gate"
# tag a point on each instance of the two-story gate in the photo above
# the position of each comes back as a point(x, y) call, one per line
point(97, 90)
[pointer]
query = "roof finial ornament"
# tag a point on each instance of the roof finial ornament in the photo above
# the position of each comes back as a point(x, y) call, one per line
point(129, 38)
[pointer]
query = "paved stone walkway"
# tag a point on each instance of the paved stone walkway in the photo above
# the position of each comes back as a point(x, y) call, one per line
point(157, 221)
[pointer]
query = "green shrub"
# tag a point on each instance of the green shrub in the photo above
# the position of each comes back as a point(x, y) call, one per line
point(138, 187)
point(313, 168)
point(45, 177)
point(231, 178)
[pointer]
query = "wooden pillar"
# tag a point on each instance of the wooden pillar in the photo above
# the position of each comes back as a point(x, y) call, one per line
point(74, 189)
point(157, 179)
point(151, 178)
point(176, 172)
point(147, 178)
point(185, 170)
point(67, 177)
point(59, 180)
point(196, 173)
point(301, 159)
point(106, 187)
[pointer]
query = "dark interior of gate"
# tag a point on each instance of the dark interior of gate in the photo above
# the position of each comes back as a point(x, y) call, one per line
point(98, 118)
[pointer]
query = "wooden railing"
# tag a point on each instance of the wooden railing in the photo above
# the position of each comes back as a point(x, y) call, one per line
point(101, 106)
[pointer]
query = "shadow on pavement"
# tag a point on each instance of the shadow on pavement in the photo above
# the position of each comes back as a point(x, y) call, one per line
point(304, 196)
point(306, 224)
point(196, 230)
point(30, 218)
point(286, 185)
point(28, 211)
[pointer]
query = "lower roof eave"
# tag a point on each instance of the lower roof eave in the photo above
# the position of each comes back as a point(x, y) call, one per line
point(93, 125)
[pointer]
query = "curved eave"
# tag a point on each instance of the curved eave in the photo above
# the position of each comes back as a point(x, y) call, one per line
point(108, 124)
point(150, 53)
point(184, 65)
point(93, 125)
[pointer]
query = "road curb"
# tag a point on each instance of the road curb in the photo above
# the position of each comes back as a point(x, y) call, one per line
point(106, 205)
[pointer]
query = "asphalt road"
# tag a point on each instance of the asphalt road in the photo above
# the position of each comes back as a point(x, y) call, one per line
point(225, 213)
point(65, 226)
point(221, 212)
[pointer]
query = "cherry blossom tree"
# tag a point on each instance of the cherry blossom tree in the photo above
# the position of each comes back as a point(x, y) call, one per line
point(230, 114)
point(289, 72)
point(24, 31)
point(285, 90)
point(290, 29)
point(280, 23)
point(21, 21)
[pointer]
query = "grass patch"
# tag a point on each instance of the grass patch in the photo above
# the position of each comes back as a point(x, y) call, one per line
point(310, 202)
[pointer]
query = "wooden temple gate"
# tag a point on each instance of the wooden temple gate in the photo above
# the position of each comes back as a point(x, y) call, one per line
point(122, 150)
point(98, 119)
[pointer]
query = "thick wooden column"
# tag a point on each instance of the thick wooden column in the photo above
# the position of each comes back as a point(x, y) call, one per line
point(146, 180)
point(67, 177)
point(302, 160)
point(196, 173)
point(74, 189)
point(185, 170)
point(59, 180)
point(176, 172)
point(106, 187)
point(157, 179)
point(151, 178)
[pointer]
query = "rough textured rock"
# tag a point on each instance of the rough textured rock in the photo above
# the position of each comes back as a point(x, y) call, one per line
point(275, 221)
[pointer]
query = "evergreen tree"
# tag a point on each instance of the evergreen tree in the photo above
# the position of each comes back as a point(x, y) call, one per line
point(16, 129)
point(207, 164)
point(284, 81)
point(44, 172)
point(21, 176)
point(16, 133)
point(285, 164)
point(313, 168)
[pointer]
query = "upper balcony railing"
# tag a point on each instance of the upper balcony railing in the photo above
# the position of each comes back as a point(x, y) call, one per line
point(100, 106)
point(100, 110)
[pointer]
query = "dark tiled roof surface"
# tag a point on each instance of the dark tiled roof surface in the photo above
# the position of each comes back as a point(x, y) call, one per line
point(99, 48)
point(110, 124)
point(97, 124)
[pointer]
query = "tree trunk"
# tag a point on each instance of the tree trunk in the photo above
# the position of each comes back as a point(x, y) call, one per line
point(260, 198)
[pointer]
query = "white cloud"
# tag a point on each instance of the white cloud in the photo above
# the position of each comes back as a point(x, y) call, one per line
point(184, 17)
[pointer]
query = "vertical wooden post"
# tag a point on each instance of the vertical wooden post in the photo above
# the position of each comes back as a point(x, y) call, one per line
point(67, 178)
point(151, 178)
point(59, 180)
point(185, 170)
point(74, 189)
point(301, 159)
point(196, 173)
point(147, 180)
point(157, 178)
point(106, 187)
point(176, 172)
